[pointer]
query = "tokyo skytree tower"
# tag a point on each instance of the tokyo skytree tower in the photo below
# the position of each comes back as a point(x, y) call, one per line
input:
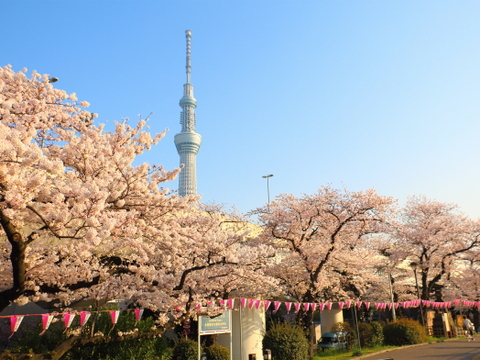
point(188, 141)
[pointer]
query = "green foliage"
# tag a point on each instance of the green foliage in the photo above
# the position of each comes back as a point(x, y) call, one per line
point(365, 334)
point(185, 349)
point(404, 332)
point(217, 352)
point(377, 336)
point(286, 342)
point(371, 334)
point(346, 327)
point(28, 340)
point(122, 349)
point(154, 348)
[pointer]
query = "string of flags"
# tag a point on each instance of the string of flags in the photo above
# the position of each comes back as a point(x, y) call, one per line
point(245, 303)
point(67, 319)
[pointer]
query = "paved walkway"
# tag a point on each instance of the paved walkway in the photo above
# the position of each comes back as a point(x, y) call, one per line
point(447, 350)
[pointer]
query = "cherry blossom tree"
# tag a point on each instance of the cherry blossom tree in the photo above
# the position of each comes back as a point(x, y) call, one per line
point(325, 242)
point(81, 221)
point(436, 238)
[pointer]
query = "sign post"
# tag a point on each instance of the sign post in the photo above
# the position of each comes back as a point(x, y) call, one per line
point(221, 324)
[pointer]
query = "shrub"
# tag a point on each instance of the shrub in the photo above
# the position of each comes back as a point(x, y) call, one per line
point(217, 352)
point(404, 332)
point(371, 334)
point(185, 349)
point(286, 342)
point(377, 336)
point(118, 350)
point(346, 327)
point(365, 332)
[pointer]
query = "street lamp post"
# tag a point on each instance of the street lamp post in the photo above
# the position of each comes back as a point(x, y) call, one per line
point(268, 190)
point(394, 316)
point(414, 266)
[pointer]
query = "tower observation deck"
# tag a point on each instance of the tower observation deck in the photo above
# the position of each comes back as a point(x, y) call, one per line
point(188, 141)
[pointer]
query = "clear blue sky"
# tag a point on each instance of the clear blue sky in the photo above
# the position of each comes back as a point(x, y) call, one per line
point(357, 94)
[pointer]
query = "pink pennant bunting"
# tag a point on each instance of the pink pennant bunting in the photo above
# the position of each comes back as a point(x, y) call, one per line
point(367, 305)
point(68, 319)
point(243, 303)
point(267, 303)
point(46, 321)
point(313, 306)
point(321, 306)
point(306, 306)
point(389, 306)
point(114, 317)
point(297, 307)
point(251, 303)
point(138, 314)
point(288, 305)
point(359, 304)
point(84, 316)
point(15, 322)
point(258, 303)
point(231, 303)
point(329, 306)
point(340, 305)
point(276, 306)
point(348, 304)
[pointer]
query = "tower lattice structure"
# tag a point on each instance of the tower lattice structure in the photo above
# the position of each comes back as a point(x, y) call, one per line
point(188, 141)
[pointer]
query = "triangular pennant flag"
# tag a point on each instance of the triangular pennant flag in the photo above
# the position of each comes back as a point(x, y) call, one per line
point(84, 316)
point(367, 305)
point(258, 303)
point(138, 314)
point(329, 306)
point(306, 306)
point(251, 303)
point(46, 321)
point(321, 306)
point(15, 322)
point(276, 306)
point(313, 306)
point(297, 307)
point(68, 319)
point(348, 304)
point(288, 305)
point(114, 317)
point(340, 305)
point(231, 303)
point(359, 304)
point(243, 303)
point(267, 303)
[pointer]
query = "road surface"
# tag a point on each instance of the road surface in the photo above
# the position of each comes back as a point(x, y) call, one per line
point(447, 350)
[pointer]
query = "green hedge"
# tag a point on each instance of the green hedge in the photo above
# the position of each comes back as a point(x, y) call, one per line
point(286, 342)
point(404, 332)
point(217, 352)
point(185, 349)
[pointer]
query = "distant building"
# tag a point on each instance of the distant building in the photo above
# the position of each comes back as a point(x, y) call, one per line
point(188, 141)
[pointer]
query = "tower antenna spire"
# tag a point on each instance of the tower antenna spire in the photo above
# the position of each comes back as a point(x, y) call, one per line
point(188, 141)
point(188, 35)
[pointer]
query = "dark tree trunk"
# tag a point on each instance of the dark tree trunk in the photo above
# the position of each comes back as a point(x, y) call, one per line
point(17, 259)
